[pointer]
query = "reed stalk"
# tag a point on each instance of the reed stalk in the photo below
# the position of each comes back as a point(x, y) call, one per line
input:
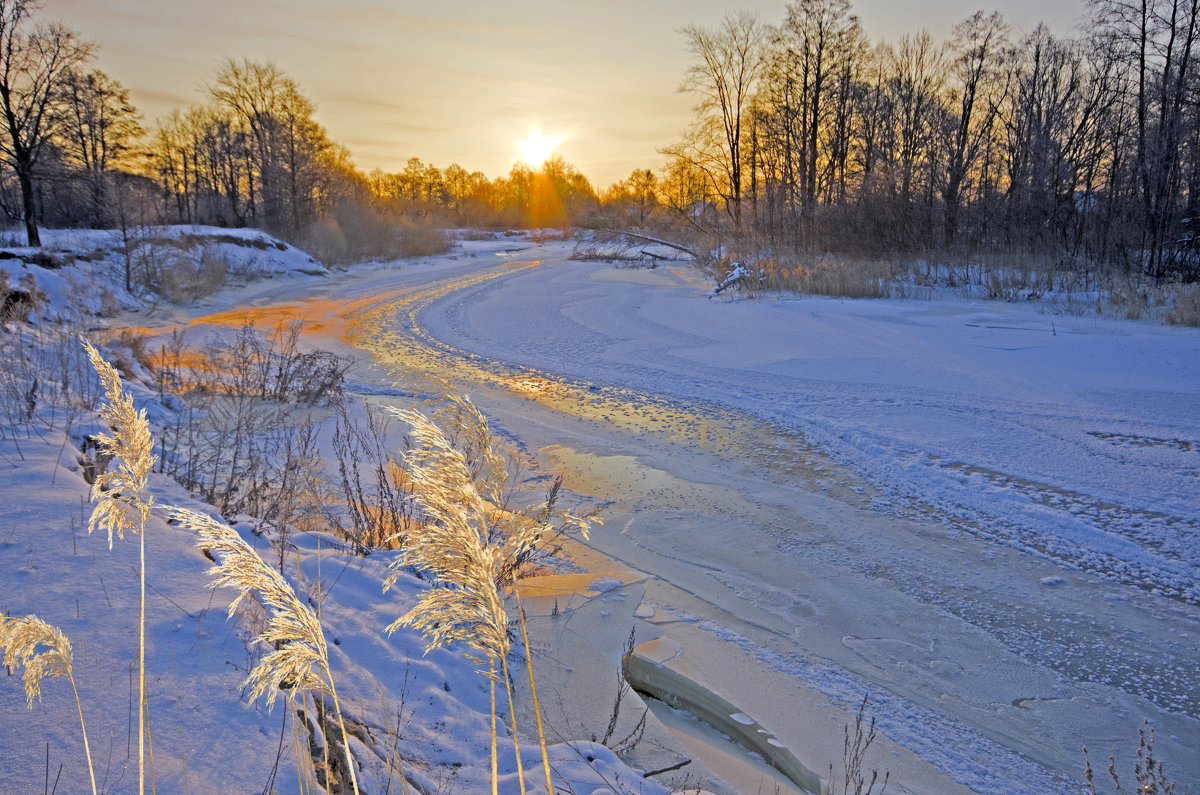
point(123, 501)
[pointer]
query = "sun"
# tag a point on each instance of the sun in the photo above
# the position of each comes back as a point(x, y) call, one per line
point(536, 148)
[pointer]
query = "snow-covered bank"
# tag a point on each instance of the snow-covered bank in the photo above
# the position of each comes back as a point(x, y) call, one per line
point(426, 713)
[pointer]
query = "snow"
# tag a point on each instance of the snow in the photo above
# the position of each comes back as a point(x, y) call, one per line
point(205, 736)
point(985, 515)
point(904, 472)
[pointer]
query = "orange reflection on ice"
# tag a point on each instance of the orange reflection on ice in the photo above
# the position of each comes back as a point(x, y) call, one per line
point(321, 316)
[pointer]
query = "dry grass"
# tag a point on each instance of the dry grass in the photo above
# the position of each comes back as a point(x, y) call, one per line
point(469, 534)
point(20, 637)
point(453, 545)
point(293, 629)
point(1075, 285)
point(1185, 306)
point(123, 501)
point(121, 494)
point(124, 505)
point(832, 276)
point(840, 277)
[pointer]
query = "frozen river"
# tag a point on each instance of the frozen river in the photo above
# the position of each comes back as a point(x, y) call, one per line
point(985, 515)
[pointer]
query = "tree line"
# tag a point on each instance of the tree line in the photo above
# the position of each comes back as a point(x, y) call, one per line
point(76, 152)
point(808, 137)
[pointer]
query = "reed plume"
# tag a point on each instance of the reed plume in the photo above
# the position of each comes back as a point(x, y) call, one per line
point(123, 501)
point(121, 492)
point(293, 629)
point(20, 637)
point(452, 543)
point(473, 542)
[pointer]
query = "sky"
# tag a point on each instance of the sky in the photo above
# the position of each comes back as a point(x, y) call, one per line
point(461, 81)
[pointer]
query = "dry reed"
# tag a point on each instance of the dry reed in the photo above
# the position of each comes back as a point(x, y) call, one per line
point(20, 637)
point(293, 629)
point(121, 494)
point(124, 503)
point(473, 542)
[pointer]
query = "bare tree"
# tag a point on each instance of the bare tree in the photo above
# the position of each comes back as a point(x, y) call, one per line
point(978, 46)
point(820, 44)
point(98, 129)
point(1156, 42)
point(728, 64)
point(33, 63)
point(1046, 128)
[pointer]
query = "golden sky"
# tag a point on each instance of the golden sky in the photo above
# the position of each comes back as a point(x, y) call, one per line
point(459, 81)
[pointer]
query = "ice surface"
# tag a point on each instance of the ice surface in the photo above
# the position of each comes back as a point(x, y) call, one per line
point(987, 511)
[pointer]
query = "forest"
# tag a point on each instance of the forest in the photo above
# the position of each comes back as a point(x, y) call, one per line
point(1081, 149)
point(1076, 153)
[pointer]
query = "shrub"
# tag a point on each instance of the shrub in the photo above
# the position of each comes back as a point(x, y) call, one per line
point(187, 278)
point(354, 231)
point(1185, 306)
point(420, 238)
point(325, 241)
point(368, 233)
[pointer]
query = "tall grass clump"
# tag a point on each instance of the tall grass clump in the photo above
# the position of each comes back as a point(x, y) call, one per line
point(293, 629)
point(19, 638)
point(474, 542)
point(124, 503)
point(1185, 306)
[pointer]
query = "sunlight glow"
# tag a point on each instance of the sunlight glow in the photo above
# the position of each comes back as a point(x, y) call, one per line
point(536, 148)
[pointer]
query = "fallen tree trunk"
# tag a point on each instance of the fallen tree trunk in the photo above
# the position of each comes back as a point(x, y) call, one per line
point(649, 239)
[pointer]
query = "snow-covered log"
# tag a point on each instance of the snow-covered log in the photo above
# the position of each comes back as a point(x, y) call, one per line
point(735, 276)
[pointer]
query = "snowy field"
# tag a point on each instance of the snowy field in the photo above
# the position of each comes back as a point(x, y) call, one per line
point(984, 515)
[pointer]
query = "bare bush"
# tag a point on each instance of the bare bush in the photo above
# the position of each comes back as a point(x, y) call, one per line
point(237, 440)
point(165, 268)
point(1147, 770)
point(376, 508)
point(855, 780)
point(185, 278)
point(325, 241)
point(421, 238)
point(45, 376)
point(630, 741)
point(269, 368)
